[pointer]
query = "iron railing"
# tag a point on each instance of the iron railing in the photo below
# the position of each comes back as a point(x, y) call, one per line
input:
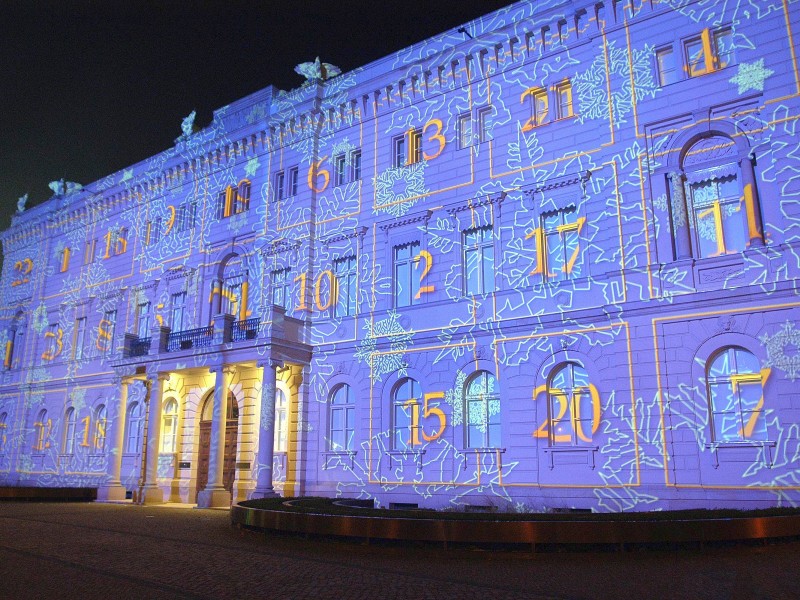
point(141, 346)
point(190, 338)
point(247, 329)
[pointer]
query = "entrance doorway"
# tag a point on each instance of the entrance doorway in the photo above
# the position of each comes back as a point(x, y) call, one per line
point(231, 439)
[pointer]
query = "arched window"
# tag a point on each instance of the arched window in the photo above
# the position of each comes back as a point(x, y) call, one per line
point(574, 412)
point(405, 403)
point(169, 427)
point(41, 428)
point(69, 431)
point(736, 396)
point(100, 416)
point(482, 410)
point(3, 426)
point(715, 207)
point(135, 421)
point(281, 421)
point(343, 416)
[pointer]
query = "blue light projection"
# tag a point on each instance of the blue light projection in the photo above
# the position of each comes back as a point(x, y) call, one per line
point(550, 264)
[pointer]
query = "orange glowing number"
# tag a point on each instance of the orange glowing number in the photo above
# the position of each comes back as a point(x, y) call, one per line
point(427, 258)
point(315, 172)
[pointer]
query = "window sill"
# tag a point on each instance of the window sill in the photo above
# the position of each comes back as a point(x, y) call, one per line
point(334, 458)
point(589, 451)
point(405, 456)
point(764, 446)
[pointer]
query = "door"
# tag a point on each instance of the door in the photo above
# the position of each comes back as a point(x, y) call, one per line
point(231, 441)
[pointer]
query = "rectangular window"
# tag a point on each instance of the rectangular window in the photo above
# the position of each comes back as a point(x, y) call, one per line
point(80, 338)
point(294, 177)
point(143, 320)
point(667, 66)
point(178, 314)
point(121, 243)
point(281, 287)
point(478, 260)
point(399, 148)
point(222, 200)
point(415, 151)
point(561, 240)
point(345, 271)
point(106, 331)
point(484, 124)
point(564, 99)
point(723, 47)
point(64, 259)
point(406, 280)
point(279, 185)
point(708, 51)
point(242, 203)
point(52, 342)
point(465, 130)
point(355, 165)
point(339, 170)
point(719, 223)
point(89, 251)
point(153, 234)
point(538, 100)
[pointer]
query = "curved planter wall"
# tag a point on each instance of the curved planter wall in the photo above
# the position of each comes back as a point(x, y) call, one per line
point(519, 532)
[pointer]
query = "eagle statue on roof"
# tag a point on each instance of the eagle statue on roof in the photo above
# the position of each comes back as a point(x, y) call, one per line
point(317, 71)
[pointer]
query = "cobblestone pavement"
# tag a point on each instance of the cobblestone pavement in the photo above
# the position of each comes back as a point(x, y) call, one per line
point(91, 551)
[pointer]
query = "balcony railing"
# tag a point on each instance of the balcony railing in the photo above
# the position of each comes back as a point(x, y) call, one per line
point(191, 338)
point(140, 346)
point(246, 329)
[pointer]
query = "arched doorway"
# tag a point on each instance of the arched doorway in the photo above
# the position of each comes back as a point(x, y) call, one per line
point(231, 439)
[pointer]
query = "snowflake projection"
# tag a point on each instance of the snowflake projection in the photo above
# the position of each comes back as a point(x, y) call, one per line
point(343, 147)
point(777, 345)
point(751, 76)
point(78, 398)
point(127, 175)
point(660, 202)
point(399, 340)
point(591, 85)
point(40, 320)
point(257, 113)
point(252, 166)
point(398, 189)
point(453, 397)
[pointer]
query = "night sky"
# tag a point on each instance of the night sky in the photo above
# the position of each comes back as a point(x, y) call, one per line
point(90, 87)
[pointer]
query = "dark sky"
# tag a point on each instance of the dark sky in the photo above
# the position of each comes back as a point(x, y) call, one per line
point(89, 87)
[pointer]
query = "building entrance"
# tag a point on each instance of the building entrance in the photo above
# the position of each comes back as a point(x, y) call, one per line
point(231, 436)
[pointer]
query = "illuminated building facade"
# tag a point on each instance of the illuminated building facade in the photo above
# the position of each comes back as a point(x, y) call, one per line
point(548, 261)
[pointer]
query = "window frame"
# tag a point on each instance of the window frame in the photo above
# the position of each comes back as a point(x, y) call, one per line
point(409, 400)
point(410, 262)
point(79, 338)
point(346, 272)
point(169, 427)
point(736, 379)
point(133, 428)
point(488, 421)
point(281, 439)
point(342, 439)
point(70, 429)
point(479, 248)
point(576, 437)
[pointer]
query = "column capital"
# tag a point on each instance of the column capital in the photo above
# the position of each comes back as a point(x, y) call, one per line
point(158, 376)
point(273, 363)
point(222, 369)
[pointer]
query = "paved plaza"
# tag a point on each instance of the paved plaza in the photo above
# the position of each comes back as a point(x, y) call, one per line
point(119, 551)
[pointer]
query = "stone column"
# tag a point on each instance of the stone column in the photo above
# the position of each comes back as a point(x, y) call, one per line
point(151, 493)
point(680, 216)
point(266, 432)
point(113, 489)
point(755, 229)
point(215, 493)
